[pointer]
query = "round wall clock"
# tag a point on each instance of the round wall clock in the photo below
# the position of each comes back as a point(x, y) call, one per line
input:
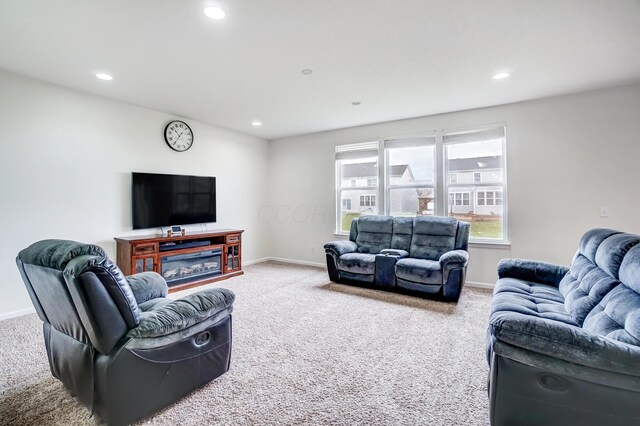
point(178, 136)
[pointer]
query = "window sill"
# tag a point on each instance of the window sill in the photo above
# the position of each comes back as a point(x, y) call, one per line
point(341, 235)
point(504, 245)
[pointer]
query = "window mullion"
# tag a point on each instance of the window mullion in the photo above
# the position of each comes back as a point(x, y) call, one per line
point(441, 197)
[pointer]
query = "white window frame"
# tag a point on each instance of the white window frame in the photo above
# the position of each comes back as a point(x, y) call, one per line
point(442, 180)
point(386, 145)
point(366, 145)
point(484, 185)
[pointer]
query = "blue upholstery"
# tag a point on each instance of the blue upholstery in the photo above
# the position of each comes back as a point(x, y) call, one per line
point(374, 233)
point(419, 270)
point(402, 233)
point(581, 322)
point(433, 236)
point(422, 254)
point(357, 263)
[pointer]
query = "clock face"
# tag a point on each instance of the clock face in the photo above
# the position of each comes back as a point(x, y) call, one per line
point(178, 136)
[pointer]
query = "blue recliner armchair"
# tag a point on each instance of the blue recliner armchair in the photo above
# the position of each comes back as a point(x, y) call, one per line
point(423, 255)
point(564, 343)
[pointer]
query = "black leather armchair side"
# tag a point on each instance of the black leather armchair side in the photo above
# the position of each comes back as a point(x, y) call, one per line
point(118, 344)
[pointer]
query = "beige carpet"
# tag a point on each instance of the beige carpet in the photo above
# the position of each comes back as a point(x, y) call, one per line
point(305, 351)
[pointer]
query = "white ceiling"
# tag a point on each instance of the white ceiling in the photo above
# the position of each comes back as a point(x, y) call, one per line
point(401, 59)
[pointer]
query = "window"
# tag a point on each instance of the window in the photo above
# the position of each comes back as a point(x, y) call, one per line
point(461, 174)
point(470, 151)
point(459, 198)
point(410, 176)
point(489, 198)
point(356, 179)
point(367, 201)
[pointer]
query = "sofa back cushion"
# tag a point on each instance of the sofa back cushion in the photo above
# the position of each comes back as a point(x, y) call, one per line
point(432, 237)
point(617, 316)
point(402, 233)
point(601, 290)
point(373, 233)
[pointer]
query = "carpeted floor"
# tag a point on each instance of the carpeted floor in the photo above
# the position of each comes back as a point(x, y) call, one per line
point(305, 351)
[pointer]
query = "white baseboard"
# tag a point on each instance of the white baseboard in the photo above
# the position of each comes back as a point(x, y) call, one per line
point(295, 262)
point(18, 313)
point(479, 285)
point(253, 262)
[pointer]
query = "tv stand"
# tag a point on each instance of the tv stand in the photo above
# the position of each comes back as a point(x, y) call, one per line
point(183, 260)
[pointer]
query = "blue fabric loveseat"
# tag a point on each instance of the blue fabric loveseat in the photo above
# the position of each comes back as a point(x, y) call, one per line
point(423, 255)
point(564, 343)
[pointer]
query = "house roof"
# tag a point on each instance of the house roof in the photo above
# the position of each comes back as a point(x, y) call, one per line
point(459, 164)
point(361, 170)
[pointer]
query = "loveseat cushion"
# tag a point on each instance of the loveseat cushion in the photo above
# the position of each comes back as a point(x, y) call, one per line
point(374, 233)
point(529, 298)
point(402, 233)
point(432, 237)
point(357, 263)
point(422, 271)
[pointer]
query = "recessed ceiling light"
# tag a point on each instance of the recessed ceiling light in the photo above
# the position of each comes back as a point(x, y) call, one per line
point(307, 71)
point(356, 103)
point(500, 75)
point(214, 13)
point(256, 123)
point(103, 76)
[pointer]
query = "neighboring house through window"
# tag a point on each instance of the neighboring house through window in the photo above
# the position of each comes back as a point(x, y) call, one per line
point(405, 177)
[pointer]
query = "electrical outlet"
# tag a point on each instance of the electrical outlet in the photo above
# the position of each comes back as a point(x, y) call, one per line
point(604, 211)
point(312, 249)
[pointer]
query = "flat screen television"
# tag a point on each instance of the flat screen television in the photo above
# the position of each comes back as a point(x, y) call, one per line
point(163, 200)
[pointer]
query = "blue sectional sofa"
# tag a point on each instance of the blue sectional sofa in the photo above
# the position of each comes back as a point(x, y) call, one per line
point(564, 343)
point(423, 255)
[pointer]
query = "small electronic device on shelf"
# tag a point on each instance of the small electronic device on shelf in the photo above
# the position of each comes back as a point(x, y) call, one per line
point(176, 230)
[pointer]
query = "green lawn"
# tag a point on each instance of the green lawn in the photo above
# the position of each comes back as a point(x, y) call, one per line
point(487, 229)
point(346, 220)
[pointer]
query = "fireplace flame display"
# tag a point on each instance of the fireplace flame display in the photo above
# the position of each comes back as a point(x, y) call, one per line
point(186, 266)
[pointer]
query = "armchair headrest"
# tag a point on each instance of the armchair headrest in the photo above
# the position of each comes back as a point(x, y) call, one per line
point(56, 254)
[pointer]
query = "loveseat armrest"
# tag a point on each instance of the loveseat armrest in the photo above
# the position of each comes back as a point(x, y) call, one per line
point(531, 270)
point(565, 342)
point(395, 252)
point(147, 285)
point(454, 258)
point(338, 248)
point(180, 314)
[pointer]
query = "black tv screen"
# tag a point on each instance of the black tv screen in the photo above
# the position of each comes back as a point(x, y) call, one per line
point(164, 200)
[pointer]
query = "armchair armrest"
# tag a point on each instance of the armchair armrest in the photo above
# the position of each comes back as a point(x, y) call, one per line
point(454, 258)
point(566, 342)
point(531, 270)
point(180, 314)
point(147, 285)
point(395, 252)
point(338, 248)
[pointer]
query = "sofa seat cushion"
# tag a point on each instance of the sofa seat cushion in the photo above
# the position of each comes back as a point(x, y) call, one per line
point(419, 270)
point(357, 263)
point(534, 299)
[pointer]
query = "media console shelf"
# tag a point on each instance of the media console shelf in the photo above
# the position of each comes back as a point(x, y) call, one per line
point(183, 260)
